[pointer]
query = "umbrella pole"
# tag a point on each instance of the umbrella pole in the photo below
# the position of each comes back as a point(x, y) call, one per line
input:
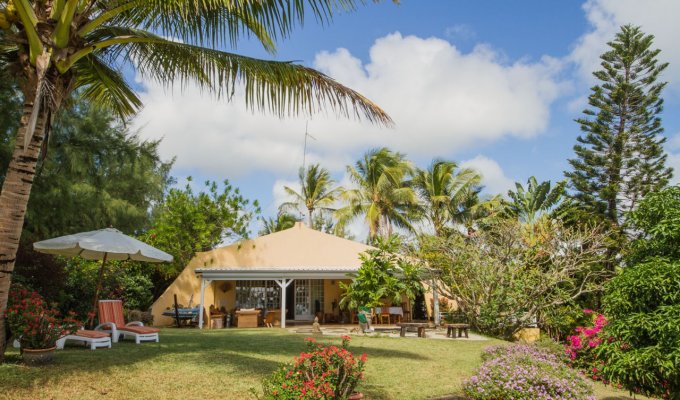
point(96, 292)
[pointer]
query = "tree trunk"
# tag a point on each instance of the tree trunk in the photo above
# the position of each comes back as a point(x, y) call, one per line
point(13, 202)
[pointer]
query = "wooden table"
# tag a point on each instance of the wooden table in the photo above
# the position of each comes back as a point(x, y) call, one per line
point(247, 318)
point(420, 325)
point(462, 328)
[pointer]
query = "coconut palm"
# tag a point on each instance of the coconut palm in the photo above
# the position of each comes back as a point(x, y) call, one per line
point(384, 195)
point(55, 47)
point(530, 203)
point(318, 192)
point(443, 188)
point(281, 222)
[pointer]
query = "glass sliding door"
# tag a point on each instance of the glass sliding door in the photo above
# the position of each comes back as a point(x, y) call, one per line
point(308, 298)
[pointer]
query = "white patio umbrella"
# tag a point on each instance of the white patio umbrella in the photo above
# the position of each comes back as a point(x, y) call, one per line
point(103, 244)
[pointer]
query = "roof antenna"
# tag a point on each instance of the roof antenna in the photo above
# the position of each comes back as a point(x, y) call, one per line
point(304, 159)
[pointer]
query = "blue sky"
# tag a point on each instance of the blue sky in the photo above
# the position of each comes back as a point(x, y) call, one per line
point(494, 85)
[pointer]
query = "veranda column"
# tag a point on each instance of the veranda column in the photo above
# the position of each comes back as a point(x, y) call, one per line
point(435, 300)
point(200, 307)
point(283, 284)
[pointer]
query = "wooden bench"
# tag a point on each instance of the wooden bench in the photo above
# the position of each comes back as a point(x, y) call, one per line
point(421, 326)
point(462, 328)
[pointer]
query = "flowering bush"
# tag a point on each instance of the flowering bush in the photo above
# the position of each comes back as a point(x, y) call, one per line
point(582, 347)
point(525, 372)
point(35, 324)
point(322, 372)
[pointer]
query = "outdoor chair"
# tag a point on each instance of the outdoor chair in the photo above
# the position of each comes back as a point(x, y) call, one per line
point(385, 314)
point(111, 320)
point(94, 339)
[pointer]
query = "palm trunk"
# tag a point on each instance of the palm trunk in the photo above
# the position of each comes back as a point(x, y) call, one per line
point(13, 202)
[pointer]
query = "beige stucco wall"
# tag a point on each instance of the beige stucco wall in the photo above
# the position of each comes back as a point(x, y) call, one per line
point(295, 247)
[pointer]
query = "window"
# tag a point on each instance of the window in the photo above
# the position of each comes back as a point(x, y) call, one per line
point(258, 294)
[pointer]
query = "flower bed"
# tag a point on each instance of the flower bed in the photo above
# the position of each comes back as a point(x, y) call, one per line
point(525, 372)
point(322, 372)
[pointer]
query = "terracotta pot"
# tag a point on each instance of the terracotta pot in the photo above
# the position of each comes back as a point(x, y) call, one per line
point(37, 356)
point(356, 396)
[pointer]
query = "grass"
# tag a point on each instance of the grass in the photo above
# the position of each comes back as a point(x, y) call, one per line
point(228, 363)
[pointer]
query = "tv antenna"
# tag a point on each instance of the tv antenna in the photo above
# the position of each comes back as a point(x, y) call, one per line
point(304, 151)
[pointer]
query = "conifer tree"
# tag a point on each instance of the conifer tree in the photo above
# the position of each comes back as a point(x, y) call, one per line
point(620, 156)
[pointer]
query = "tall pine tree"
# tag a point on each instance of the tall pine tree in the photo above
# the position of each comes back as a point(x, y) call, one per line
point(620, 156)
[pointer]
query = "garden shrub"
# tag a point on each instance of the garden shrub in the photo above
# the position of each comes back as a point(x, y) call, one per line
point(322, 372)
point(525, 372)
point(582, 348)
point(642, 346)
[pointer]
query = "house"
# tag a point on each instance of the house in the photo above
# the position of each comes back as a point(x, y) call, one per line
point(299, 267)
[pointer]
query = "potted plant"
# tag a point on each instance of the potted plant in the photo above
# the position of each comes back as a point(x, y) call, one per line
point(36, 326)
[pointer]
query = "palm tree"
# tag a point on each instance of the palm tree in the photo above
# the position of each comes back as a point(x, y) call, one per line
point(283, 221)
point(443, 190)
point(383, 195)
point(55, 47)
point(318, 193)
point(530, 203)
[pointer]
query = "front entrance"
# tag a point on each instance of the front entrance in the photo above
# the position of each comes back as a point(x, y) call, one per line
point(308, 294)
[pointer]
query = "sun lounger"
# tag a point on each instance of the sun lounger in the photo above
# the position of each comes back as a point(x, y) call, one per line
point(94, 339)
point(111, 320)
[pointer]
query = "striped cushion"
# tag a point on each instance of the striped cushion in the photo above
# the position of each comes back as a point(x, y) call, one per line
point(91, 334)
point(111, 311)
point(142, 330)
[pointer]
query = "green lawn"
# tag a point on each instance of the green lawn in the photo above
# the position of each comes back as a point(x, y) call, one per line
point(193, 364)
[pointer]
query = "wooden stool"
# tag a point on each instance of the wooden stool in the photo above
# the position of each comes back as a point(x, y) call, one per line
point(462, 328)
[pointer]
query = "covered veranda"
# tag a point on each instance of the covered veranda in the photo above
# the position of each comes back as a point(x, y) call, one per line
point(283, 277)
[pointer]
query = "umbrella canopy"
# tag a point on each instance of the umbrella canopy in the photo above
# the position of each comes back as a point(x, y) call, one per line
point(94, 245)
point(104, 244)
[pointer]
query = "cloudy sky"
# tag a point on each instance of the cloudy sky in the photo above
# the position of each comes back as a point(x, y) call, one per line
point(493, 85)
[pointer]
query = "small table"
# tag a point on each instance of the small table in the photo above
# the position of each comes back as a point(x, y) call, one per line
point(462, 328)
point(420, 325)
point(247, 318)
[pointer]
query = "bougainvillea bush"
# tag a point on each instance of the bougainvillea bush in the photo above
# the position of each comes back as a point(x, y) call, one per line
point(33, 322)
point(582, 347)
point(321, 372)
point(525, 372)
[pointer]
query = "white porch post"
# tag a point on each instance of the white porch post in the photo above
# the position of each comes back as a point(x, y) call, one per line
point(435, 301)
point(200, 307)
point(283, 284)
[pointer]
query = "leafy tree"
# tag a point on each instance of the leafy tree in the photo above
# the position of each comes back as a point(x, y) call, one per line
point(55, 47)
point(318, 193)
point(383, 275)
point(10, 112)
point(657, 223)
point(538, 198)
point(283, 221)
point(186, 223)
point(98, 175)
point(642, 304)
point(504, 279)
point(620, 157)
point(444, 189)
point(383, 195)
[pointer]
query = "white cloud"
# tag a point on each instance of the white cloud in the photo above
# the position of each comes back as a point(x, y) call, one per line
point(460, 31)
point(493, 177)
point(656, 17)
point(442, 100)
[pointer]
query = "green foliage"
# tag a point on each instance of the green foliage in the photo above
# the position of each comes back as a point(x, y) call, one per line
point(384, 195)
point(383, 276)
point(538, 198)
point(318, 193)
point(186, 223)
point(643, 306)
point(97, 175)
point(510, 277)
point(283, 221)
point(10, 112)
point(658, 221)
point(620, 157)
point(446, 192)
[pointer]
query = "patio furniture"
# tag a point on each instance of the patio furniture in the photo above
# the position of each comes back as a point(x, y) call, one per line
point(384, 314)
point(247, 318)
point(461, 328)
point(94, 339)
point(420, 326)
point(111, 319)
point(405, 313)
